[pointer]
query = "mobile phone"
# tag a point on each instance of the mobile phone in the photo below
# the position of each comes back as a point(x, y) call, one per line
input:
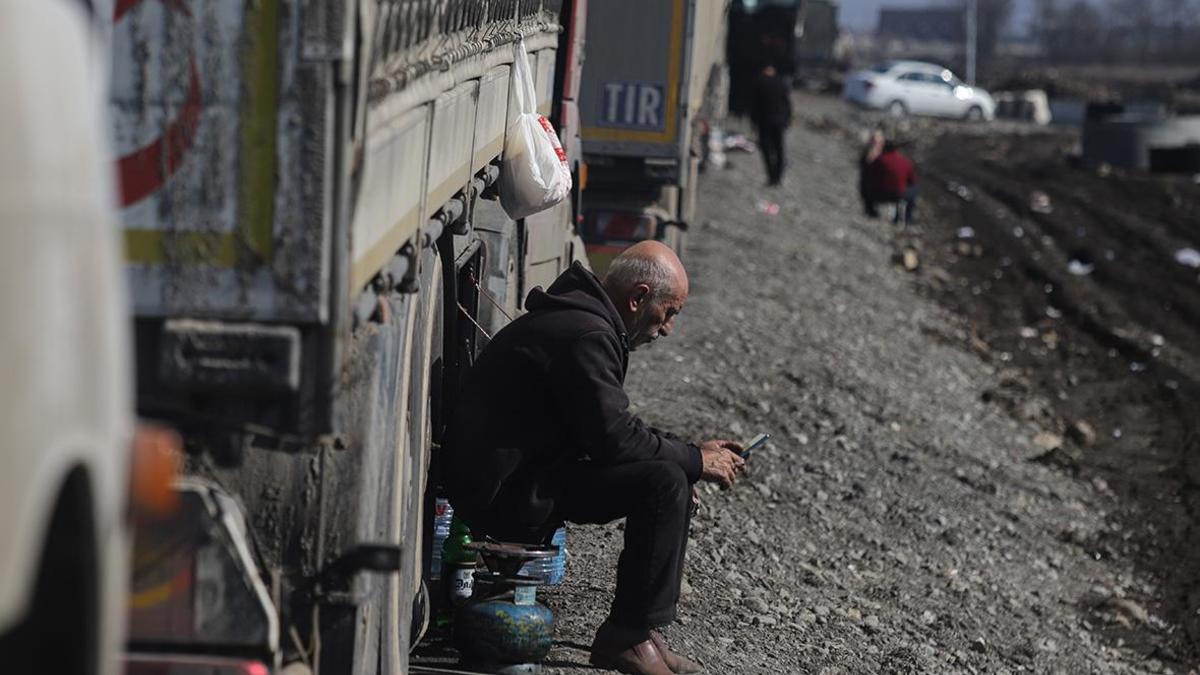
point(756, 443)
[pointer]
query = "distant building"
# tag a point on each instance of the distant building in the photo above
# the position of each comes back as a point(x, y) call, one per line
point(926, 24)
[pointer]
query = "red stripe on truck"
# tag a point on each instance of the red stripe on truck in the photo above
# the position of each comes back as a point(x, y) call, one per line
point(145, 170)
point(124, 6)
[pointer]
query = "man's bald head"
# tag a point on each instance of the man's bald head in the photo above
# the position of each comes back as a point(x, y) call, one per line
point(647, 262)
point(648, 285)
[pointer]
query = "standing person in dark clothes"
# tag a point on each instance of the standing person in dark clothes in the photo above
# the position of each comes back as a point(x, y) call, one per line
point(893, 178)
point(870, 152)
point(545, 435)
point(771, 113)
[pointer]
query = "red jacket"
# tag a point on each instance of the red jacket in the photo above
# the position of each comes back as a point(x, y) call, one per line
point(891, 174)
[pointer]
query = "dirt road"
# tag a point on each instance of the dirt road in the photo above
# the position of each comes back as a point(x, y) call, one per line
point(896, 522)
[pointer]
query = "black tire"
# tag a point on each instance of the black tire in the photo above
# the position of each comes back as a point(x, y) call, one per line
point(897, 109)
point(61, 632)
point(974, 114)
point(405, 609)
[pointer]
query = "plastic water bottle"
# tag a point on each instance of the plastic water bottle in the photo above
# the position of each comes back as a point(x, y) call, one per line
point(443, 513)
point(551, 569)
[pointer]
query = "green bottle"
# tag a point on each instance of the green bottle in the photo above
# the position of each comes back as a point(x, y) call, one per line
point(458, 570)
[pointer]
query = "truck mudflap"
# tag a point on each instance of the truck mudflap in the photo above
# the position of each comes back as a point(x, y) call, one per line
point(195, 581)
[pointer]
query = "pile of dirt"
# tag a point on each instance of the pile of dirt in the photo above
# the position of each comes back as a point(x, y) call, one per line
point(1056, 84)
point(1073, 278)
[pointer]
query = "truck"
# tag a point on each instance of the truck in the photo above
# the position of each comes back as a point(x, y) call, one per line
point(66, 423)
point(315, 255)
point(652, 91)
point(820, 56)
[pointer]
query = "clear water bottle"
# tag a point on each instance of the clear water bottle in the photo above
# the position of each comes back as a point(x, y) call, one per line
point(551, 569)
point(443, 513)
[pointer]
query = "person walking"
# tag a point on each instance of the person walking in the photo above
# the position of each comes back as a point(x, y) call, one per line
point(771, 113)
point(544, 434)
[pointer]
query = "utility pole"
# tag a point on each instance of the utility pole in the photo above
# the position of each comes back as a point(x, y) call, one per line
point(972, 38)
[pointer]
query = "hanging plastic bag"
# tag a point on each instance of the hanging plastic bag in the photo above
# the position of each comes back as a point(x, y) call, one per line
point(533, 174)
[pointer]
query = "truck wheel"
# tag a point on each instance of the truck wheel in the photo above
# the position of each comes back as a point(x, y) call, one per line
point(62, 631)
point(412, 466)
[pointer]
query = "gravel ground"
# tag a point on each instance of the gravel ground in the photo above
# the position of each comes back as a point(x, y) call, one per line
point(895, 522)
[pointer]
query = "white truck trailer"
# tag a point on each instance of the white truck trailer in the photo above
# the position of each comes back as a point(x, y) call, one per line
point(315, 258)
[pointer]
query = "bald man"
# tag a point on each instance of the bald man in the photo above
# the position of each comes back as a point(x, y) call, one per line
point(543, 434)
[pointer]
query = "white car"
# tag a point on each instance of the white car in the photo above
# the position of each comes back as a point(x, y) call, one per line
point(917, 88)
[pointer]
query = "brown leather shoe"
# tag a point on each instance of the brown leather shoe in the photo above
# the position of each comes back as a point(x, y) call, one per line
point(680, 665)
point(640, 659)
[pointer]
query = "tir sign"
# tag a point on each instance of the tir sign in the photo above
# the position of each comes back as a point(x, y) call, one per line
point(633, 105)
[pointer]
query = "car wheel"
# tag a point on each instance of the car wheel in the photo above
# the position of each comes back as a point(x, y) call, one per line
point(974, 114)
point(897, 109)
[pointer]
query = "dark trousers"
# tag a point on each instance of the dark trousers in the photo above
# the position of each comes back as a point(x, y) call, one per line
point(655, 500)
point(906, 203)
point(864, 192)
point(770, 143)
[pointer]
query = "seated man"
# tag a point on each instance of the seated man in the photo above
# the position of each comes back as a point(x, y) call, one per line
point(892, 178)
point(543, 434)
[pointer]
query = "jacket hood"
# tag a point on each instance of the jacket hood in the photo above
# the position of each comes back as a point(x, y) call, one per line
point(576, 289)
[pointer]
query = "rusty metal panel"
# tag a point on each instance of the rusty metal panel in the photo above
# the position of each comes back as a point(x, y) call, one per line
point(543, 73)
point(451, 144)
point(327, 30)
point(197, 94)
point(393, 183)
point(491, 119)
point(547, 233)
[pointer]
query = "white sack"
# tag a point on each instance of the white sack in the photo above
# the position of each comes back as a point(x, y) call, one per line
point(533, 174)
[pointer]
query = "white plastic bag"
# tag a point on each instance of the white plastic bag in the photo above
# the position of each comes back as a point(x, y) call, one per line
point(533, 174)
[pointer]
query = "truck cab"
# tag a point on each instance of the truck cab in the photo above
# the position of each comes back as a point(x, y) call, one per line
point(65, 402)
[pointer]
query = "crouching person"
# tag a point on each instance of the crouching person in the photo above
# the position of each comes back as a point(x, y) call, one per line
point(543, 435)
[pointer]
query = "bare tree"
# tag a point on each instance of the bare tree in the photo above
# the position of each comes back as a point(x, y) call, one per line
point(1047, 15)
point(1134, 22)
point(1081, 34)
point(993, 17)
point(1177, 16)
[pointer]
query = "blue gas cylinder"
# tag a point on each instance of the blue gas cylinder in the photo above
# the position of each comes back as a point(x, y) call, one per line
point(504, 631)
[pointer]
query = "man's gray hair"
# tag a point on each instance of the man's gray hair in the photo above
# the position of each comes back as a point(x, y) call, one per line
point(627, 271)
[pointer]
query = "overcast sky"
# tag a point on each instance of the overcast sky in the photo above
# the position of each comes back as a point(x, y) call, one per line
point(862, 15)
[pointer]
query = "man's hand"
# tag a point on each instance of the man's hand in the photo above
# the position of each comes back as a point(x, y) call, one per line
point(722, 461)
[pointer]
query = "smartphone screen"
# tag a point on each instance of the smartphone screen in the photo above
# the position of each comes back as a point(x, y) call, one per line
point(754, 444)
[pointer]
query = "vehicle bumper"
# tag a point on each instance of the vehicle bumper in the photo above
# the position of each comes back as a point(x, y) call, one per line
point(185, 664)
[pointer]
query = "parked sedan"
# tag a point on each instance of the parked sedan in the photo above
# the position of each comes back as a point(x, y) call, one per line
point(917, 88)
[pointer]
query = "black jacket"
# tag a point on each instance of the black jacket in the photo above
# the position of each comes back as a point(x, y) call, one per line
point(546, 392)
point(772, 102)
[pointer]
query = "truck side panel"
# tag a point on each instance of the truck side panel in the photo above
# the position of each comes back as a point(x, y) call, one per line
point(196, 95)
point(386, 217)
point(452, 143)
point(634, 80)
